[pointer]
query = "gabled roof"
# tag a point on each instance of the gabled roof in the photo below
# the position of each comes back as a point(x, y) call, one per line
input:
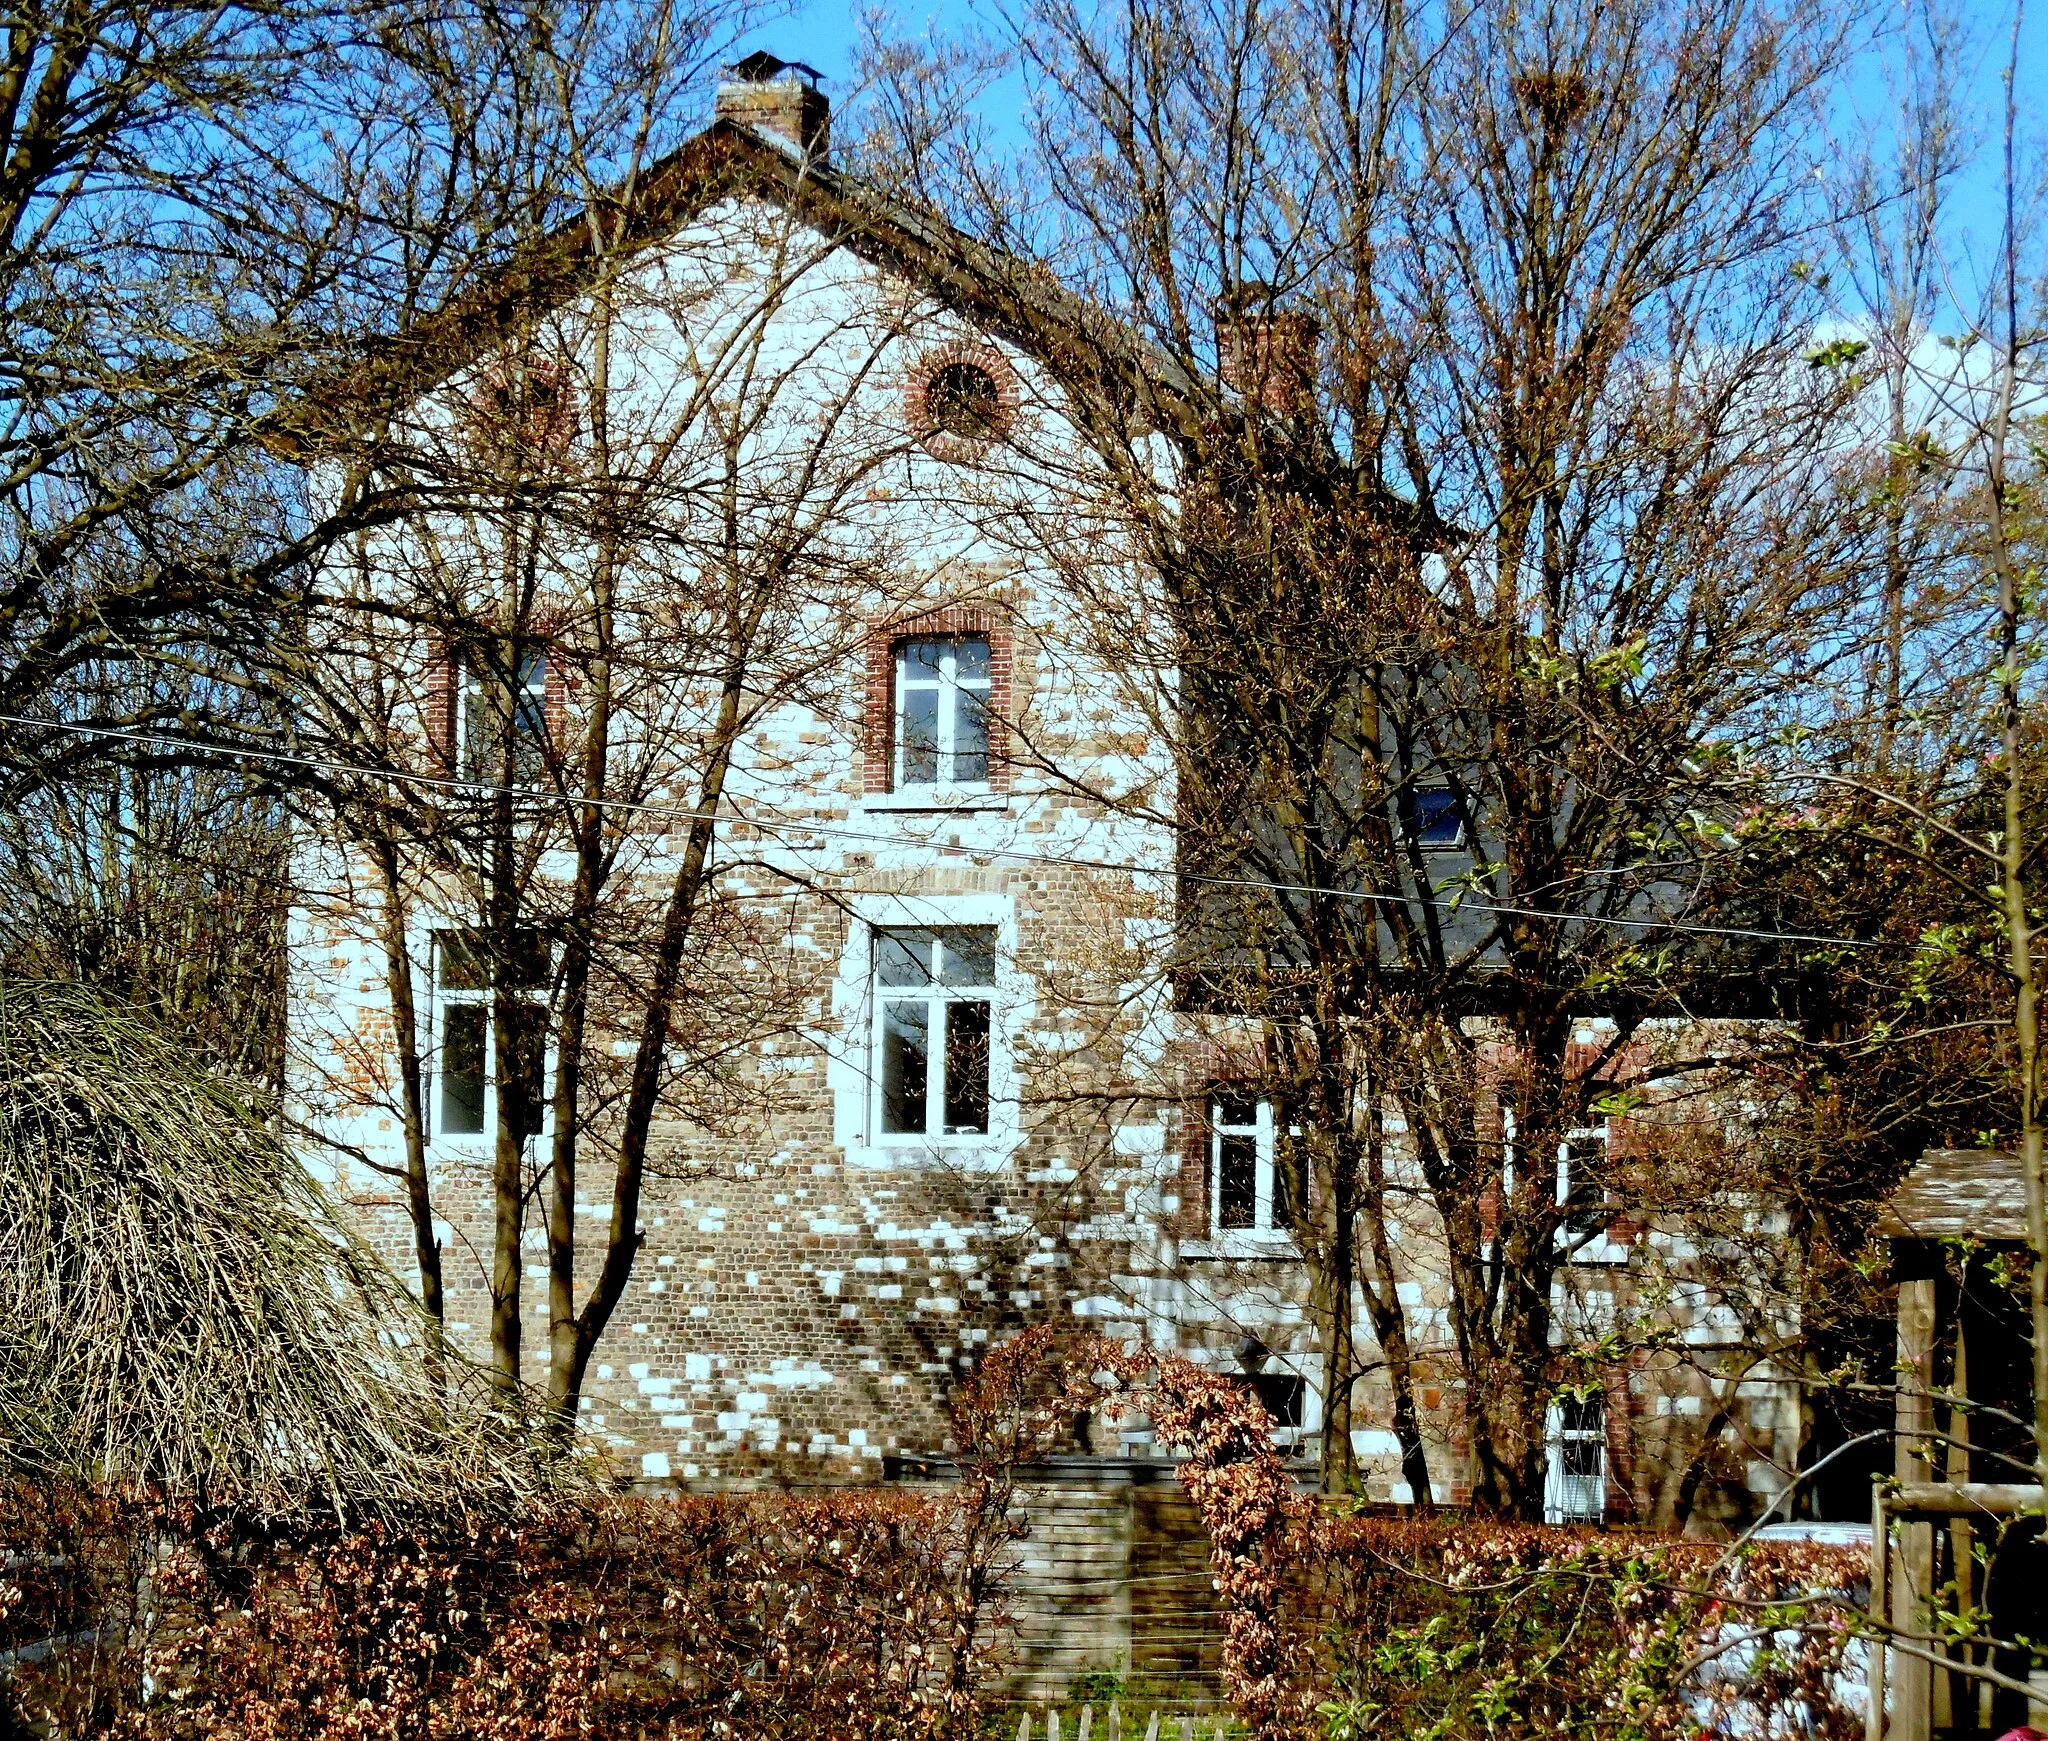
point(1004, 296)
point(1960, 1194)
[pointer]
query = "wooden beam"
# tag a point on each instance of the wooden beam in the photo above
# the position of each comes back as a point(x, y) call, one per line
point(1966, 1499)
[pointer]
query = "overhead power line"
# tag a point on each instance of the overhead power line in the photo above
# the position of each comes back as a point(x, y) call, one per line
point(782, 826)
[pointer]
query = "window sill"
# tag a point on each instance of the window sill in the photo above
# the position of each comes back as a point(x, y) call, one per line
point(972, 1154)
point(1275, 1247)
point(936, 798)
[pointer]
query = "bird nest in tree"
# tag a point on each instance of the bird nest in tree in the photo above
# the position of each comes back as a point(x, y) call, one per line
point(182, 1313)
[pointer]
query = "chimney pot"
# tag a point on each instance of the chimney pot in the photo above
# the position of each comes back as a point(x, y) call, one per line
point(776, 96)
point(1267, 349)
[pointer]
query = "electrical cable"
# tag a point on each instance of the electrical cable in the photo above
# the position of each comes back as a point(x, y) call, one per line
point(476, 789)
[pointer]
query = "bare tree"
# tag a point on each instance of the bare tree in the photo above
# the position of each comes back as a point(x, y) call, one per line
point(641, 524)
point(1493, 507)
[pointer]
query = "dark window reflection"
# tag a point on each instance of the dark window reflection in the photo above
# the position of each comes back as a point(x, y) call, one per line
point(1237, 1181)
point(462, 1068)
point(906, 1064)
point(966, 1069)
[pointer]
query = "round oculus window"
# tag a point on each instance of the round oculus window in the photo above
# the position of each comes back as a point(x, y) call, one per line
point(963, 399)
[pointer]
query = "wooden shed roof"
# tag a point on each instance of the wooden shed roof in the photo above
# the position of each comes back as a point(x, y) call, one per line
point(1959, 1194)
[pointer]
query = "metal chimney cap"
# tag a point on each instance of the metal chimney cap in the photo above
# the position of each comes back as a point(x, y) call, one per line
point(761, 67)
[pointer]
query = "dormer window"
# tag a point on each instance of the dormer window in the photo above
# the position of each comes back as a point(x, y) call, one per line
point(1430, 814)
point(942, 708)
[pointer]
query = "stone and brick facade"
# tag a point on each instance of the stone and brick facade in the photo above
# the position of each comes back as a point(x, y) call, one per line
point(810, 1284)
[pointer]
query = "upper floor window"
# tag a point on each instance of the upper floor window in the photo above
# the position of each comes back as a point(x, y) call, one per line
point(1254, 1189)
point(470, 1048)
point(942, 704)
point(963, 400)
point(1430, 814)
point(488, 705)
point(935, 1002)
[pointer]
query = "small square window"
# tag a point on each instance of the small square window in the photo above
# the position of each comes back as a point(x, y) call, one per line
point(1283, 1395)
point(1430, 813)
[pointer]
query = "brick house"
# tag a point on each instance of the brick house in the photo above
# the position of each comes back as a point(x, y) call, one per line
point(947, 1114)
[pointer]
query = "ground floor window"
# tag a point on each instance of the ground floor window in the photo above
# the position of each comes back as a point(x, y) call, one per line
point(935, 1006)
point(466, 1061)
point(1575, 1489)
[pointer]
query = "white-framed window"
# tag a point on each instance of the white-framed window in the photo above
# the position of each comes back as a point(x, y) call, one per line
point(1252, 1191)
point(1430, 813)
point(935, 989)
point(1583, 1193)
point(942, 691)
point(485, 704)
point(468, 1044)
point(1575, 1444)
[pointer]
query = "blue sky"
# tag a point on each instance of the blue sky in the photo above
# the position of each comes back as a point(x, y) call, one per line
point(822, 32)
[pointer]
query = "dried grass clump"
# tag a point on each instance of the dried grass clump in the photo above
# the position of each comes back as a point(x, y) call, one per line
point(181, 1313)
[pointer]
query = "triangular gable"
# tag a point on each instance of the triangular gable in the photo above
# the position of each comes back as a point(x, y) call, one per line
point(1003, 296)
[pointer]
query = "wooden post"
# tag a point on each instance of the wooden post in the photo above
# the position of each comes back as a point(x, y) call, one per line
point(1964, 1693)
point(1912, 1580)
point(1880, 1564)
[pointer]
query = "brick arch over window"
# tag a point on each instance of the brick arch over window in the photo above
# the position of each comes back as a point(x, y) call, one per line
point(444, 684)
point(952, 445)
point(878, 725)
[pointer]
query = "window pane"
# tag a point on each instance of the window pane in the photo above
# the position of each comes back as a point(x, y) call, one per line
point(526, 1050)
point(1582, 1184)
point(1583, 1416)
point(1581, 1457)
point(918, 737)
point(527, 968)
point(1288, 1194)
point(479, 732)
point(1433, 814)
point(530, 728)
point(1243, 1113)
point(966, 1068)
point(970, 736)
point(970, 659)
point(1237, 1181)
point(459, 963)
point(1282, 1394)
point(906, 1052)
point(967, 955)
point(462, 1069)
point(919, 661)
point(903, 957)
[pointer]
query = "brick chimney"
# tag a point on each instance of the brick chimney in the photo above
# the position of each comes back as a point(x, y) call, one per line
point(1267, 351)
point(779, 97)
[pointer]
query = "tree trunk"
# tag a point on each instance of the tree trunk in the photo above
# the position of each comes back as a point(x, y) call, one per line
point(405, 1035)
